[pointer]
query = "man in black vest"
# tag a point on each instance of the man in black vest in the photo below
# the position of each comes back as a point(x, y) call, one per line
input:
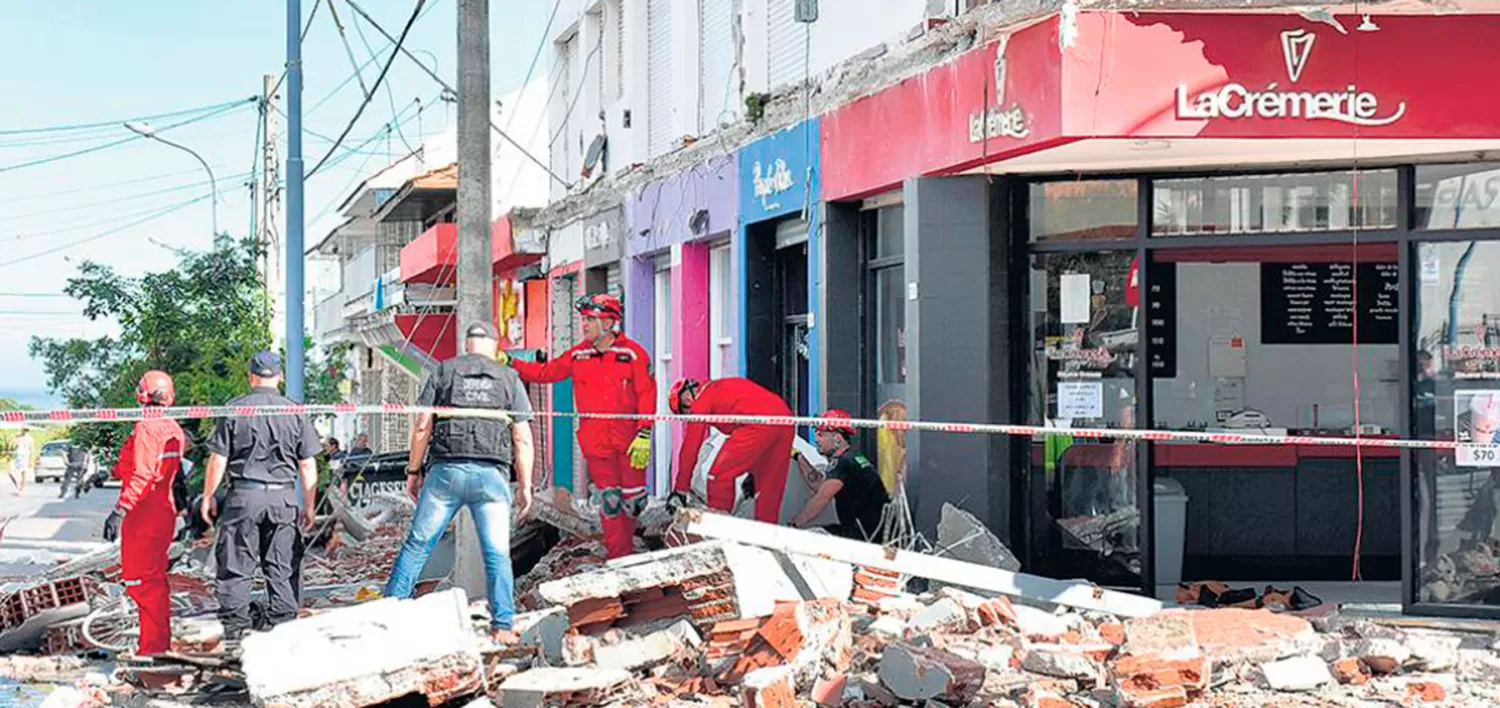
point(467, 467)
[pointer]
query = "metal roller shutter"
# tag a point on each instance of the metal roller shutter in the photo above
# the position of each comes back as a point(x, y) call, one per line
point(715, 62)
point(786, 43)
point(659, 86)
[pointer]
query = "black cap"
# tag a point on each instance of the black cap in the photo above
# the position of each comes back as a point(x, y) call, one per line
point(481, 329)
point(266, 365)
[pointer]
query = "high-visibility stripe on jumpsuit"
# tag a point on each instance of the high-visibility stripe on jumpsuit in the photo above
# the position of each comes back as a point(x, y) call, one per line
point(616, 380)
point(763, 451)
point(147, 466)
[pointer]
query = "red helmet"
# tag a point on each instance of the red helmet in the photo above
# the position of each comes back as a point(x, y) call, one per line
point(156, 389)
point(836, 418)
point(674, 397)
point(602, 305)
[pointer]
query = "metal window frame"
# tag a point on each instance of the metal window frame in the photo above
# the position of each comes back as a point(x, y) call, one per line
point(1405, 235)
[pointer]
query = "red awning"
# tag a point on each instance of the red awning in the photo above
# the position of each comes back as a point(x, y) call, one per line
point(433, 257)
point(432, 332)
point(503, 253)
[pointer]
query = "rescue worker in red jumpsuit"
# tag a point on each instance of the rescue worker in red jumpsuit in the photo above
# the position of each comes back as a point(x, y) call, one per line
point(144, 518)
point(764, 451)
point(611, 374)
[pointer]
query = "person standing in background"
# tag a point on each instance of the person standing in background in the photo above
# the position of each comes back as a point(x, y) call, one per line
point(264, 457)
point(20, 461)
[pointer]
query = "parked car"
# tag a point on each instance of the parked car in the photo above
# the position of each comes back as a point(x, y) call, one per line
point(52, 462)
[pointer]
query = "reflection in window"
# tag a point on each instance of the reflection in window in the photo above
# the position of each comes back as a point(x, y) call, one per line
point(1083, 210)
point(1456, 396)
point(1085, 335)
point(1247, 204)
point(1458, 196)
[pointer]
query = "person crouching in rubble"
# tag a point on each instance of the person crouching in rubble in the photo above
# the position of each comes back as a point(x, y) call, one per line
point(851, 483)
point(469, 461)
point(762, 451)
point(265, 457)
point(145, 515)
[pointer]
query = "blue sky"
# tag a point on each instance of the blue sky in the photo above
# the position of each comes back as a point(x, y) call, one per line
point(87, 61)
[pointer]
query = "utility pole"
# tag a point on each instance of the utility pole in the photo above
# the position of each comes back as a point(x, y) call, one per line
point(294, 257)
point(265, 213)
point(475, 295)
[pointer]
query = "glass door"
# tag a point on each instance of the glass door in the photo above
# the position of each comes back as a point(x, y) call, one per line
point(1085, 519)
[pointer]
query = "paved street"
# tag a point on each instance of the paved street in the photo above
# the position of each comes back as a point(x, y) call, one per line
point(43, 529)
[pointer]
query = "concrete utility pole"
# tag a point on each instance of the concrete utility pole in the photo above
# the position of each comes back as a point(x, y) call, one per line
point(295, 357)
point(475, 294)
point(265, 213)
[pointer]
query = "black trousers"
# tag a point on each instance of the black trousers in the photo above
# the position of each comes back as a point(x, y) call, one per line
point(258, 529)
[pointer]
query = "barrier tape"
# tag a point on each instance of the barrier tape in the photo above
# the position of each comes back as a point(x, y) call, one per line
point(126, 415)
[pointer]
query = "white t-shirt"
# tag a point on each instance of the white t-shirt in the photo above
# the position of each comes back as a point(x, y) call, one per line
point(22, 457)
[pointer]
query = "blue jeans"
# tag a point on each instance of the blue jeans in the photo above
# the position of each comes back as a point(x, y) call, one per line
point(484, 489)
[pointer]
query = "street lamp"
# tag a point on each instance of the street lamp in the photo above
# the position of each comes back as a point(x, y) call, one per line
point(146, 131)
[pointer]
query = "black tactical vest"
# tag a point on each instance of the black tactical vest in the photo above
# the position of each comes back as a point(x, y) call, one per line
point(473, 381)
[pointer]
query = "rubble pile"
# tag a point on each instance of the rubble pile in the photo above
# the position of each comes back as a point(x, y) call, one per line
point(734, 613)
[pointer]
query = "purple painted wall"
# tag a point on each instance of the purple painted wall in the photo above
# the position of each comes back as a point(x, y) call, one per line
point(659, 217)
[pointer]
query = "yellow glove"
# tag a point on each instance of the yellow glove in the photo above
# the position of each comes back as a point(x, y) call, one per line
point(502, 357)
point(640, 450)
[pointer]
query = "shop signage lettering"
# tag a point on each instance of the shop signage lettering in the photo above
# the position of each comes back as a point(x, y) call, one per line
point(771, 182)
point(1101, 357)
point(996, 121)
point(596, 236)
point(1236, 101)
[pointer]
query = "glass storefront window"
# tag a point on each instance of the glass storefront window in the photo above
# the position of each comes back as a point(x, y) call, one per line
point(888, 287)
point(1085, 336)
point(1083, 210)
point(1456, 396)
point(1463, 196)
point(1251, 204)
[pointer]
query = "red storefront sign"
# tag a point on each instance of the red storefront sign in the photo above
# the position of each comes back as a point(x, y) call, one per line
point(1146, 75)
point(1006, 90)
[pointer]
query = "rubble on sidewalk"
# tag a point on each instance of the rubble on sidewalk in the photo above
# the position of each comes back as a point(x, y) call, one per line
point(368, 654)
point(778, 618)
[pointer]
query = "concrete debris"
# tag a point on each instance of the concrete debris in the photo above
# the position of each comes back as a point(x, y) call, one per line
point(963, 536)
point(74, 697)
point(784, 618)
point(1303, 673)
point(565, 686)
point(368, 654)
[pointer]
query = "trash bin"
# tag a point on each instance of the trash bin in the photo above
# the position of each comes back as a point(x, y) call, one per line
point(1171, 529)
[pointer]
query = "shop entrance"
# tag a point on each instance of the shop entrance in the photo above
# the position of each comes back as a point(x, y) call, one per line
point(778, 325)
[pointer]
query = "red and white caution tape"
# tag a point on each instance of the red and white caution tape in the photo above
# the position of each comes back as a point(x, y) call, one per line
point(118, 415)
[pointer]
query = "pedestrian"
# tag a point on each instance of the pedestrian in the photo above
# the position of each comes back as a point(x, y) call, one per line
point(361, 446)
point(264, 458)
point(73, 474)
point(762, 451)
point(20, 461)
point(332, 451)
point(611, 375)
point(144, 517)
point(471, 464)
point(851, 482)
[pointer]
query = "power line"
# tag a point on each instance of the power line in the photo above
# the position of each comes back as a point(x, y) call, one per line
point(90, 239)
point(116, 200)
point(31, 295)
point(303, 38)
point(450, 90)
point(116, 123)
point(350, 77)
point(122, 141)
point(416, 12)
point(389, 95)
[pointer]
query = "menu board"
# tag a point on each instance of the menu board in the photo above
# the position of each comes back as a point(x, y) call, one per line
point(1161, 318)
point(1313, 303)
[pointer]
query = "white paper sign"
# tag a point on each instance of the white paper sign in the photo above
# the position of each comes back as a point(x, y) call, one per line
point(1477, 416)
point(1080, 399)
point(1074, 293)
point(1431, 270)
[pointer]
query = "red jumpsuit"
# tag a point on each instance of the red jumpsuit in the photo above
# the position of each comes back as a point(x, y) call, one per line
point(765, 451)
point(617, 380)
point(148, 464)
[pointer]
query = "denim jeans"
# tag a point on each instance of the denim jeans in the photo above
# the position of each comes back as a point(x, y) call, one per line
point(485, 490)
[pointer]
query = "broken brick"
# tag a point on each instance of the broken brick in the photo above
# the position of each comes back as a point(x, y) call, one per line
point(1426, 692)
point(769, 688)
point(1154, 672)
point(1350, 671)
point(595, 611)
point(1113, 633)
point(918, 674)
point(1061, 661)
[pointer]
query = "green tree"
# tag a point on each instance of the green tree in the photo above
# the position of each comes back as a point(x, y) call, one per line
point(200, 321)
